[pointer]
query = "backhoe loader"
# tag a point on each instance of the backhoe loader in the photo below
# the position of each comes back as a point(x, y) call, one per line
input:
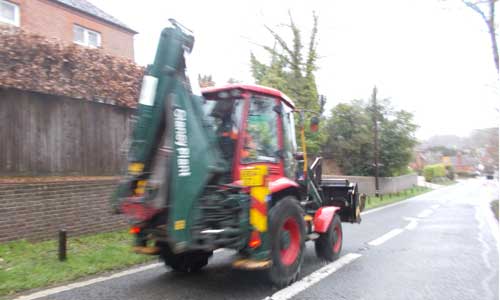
point(220, 168)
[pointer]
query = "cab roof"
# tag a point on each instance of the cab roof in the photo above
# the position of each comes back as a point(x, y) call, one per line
point(252, 88)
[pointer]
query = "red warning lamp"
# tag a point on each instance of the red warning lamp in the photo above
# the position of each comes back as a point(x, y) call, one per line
point(314, 124)
point(134, 230)
point(255, 240)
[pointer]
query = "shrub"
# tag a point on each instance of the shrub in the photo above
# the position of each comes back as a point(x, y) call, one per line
point(434, 171)
point(32, 62)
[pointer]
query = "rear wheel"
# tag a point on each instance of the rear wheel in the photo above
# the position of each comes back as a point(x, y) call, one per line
point(287, 231)
point(329, 244)
point(187, 262)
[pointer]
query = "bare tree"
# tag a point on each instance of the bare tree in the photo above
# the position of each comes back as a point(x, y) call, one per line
point(486, 9)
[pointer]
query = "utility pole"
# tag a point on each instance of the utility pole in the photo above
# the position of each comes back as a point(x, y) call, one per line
point(322, 102)
point(375, 139)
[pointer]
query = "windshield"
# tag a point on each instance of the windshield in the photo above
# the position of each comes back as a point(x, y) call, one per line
point(261, 136)
point(224, 115)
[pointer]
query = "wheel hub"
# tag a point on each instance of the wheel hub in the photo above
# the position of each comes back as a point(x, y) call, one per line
point(285, 240)
point(289, 241)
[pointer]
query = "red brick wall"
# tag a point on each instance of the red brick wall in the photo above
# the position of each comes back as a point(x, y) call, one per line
point(36, 211)
point(54, 20)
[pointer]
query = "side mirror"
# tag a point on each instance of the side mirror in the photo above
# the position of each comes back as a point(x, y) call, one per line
point(314, 124)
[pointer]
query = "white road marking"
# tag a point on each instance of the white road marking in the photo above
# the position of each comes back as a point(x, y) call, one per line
point(313, 278)
point(380, 240)
point(412, 225)
point(75, 285)
point(425, 213)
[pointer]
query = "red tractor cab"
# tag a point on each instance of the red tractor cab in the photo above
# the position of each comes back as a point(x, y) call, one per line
point(255, 126)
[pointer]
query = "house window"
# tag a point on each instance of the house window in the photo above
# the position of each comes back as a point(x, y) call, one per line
point(9, 13)
point(86, 37)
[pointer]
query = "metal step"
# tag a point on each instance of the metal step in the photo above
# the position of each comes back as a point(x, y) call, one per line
point(251, 264)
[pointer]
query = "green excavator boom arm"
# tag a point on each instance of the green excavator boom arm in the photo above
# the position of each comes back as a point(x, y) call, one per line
point(172, 155)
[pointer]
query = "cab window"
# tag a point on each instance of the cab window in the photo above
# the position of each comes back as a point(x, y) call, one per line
point(289, 144)
point(224, 117)
point(261, 136)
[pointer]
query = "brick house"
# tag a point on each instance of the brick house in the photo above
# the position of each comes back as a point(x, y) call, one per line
point(464, 163)
point(72, 21)
point(419, 162)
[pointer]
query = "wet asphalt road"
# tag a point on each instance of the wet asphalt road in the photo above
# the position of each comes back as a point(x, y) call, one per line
point(443, 249)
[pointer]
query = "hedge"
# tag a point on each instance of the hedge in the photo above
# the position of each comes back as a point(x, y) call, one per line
point(434, 171)
point(36, 63)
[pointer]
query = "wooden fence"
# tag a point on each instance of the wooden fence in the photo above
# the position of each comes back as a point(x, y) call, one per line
point(44, 134)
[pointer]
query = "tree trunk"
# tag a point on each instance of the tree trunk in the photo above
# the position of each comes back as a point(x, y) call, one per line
point(491, 30)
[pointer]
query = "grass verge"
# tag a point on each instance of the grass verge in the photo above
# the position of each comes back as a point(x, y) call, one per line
point(25, 265)
point(494, 207)
point(373, 202)
point(446, 182)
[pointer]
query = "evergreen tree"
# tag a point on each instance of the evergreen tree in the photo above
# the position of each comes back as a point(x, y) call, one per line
point(350, 142)
point(291, 70)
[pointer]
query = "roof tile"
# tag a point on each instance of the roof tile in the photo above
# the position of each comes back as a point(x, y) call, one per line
point(89, 8)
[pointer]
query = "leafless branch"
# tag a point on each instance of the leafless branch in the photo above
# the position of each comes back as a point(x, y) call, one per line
point(489, 19)
point(474, 6)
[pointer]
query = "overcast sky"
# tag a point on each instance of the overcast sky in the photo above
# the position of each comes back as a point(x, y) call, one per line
point(431, 57)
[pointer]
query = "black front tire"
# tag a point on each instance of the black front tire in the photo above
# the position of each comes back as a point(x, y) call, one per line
point(329, 243)
point(286, 223)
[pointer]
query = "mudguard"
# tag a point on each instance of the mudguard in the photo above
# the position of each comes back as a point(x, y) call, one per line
point(323, 217)
point(281, 184)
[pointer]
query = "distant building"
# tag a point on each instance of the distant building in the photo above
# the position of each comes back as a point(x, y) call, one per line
point(461, 162)
point(419, 162)
point(464, 163)
point(431, 158)
point(72, 21)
